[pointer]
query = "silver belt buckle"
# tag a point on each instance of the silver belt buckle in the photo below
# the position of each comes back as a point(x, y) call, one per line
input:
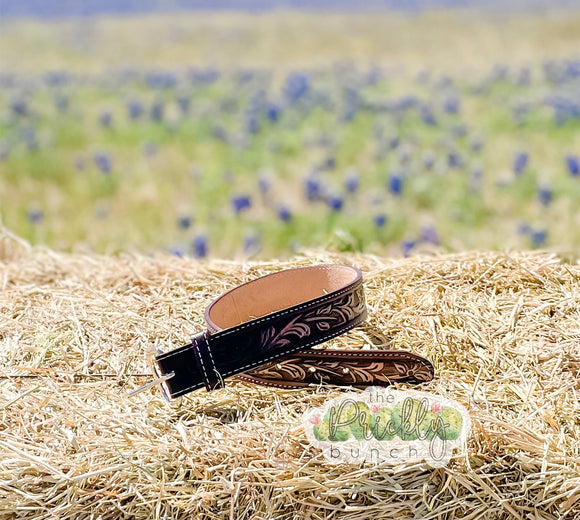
point(160, 379)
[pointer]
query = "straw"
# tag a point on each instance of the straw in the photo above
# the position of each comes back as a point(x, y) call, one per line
point(503, 330)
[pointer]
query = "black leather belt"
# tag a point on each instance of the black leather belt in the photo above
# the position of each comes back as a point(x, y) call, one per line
point(263, 331)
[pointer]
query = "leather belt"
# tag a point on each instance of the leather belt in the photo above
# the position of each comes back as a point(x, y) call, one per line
point(263, 331)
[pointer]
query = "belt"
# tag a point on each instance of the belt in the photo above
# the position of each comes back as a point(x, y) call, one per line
point(263, 331)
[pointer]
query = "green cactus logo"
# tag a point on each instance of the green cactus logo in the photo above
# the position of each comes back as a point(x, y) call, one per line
point(358, 416)
point(410, 420)
point(343, 420)
point(450, 424)
point(389, 425)
point(413, 419)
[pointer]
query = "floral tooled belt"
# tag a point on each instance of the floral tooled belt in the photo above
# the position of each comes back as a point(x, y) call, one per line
point(263, 331)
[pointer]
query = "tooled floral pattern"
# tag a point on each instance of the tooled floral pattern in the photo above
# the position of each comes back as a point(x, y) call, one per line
point(322, 319)
point(359, 371)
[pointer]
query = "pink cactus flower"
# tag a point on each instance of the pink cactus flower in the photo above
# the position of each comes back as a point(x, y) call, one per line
point(315, 419)
point(436, 408)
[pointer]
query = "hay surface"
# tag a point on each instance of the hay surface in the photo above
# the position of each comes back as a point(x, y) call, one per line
point(502, 330)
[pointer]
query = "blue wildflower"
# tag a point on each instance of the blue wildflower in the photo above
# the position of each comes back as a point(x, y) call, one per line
point(380, 220)
point(35, 216)
point(199, 246)
point(545, 194)
point(395, 183)
point(427, 116)
point(264, 182)
point(157, 111)
point(335, 202)
point(160, 80)
point(429, 159)
point(183, 102)
point(106, 119)
point(454, 160)
point(184, 221)
point(539, 237)
point(134, 109)
point(407, 246)
point(572, 70)
point(313, 188)
point(177, 250)
point(284, 213)
point(520, 162)
point(19, 107)
point(565, 108)
point(252, 245)
point(573, 163)
point(241, 203)
point(351, 181)
point(103, 162)
point(429, 234)
point(296, 87)
point(204, 76)
point(252, 124)
point(328, 164)
point(393, 142)
point(273, 112)
point(523, 228)
point(451, 105)
point(55, 78)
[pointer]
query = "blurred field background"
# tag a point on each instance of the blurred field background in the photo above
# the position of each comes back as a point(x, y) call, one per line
point(253, 134)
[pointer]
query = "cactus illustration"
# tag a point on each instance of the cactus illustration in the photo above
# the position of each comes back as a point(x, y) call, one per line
point(409, 419)
point(359, 417)
point(450, 425)
point(381, 425)
point(336, 417)
point(321, 430)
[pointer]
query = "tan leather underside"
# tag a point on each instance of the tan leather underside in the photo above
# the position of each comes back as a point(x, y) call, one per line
point(277, 292)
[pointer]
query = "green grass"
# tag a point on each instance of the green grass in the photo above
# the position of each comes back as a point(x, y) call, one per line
point(143, 196)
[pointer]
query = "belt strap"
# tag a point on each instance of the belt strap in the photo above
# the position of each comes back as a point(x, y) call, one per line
point(262, 332)
point(359, 368)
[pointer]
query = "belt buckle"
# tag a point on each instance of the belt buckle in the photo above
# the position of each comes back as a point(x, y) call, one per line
point(160, 379)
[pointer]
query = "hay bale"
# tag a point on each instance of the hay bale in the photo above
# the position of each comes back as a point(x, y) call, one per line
point(502, 330)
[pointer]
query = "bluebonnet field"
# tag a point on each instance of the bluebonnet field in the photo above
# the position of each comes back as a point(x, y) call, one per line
point(261, 159)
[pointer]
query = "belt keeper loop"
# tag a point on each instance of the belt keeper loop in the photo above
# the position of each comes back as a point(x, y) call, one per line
point(212, 379)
